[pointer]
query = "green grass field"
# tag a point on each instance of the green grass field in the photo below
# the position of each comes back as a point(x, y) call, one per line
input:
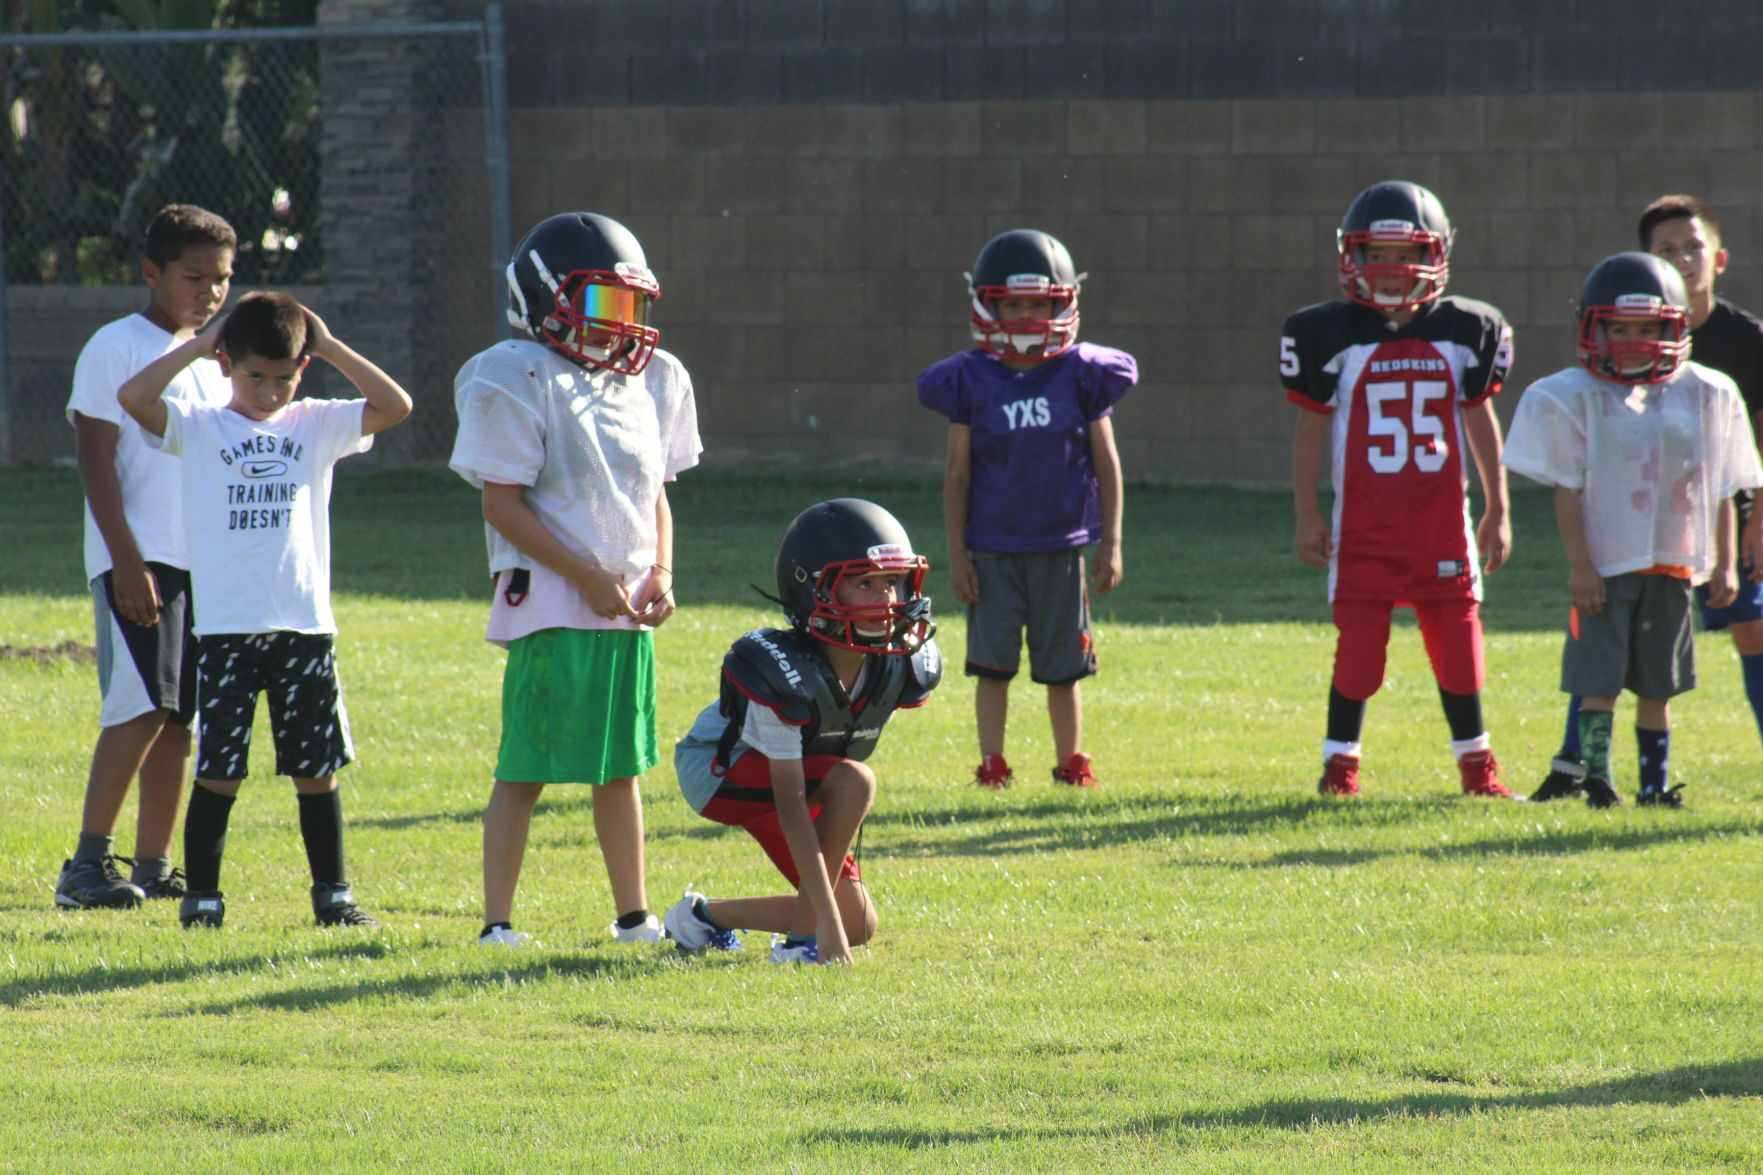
point(1199, 967)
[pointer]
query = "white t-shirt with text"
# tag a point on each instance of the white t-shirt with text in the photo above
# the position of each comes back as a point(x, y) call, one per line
point(257, 505)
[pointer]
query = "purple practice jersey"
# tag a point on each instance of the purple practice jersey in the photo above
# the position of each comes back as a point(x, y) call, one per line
point(1034, 485)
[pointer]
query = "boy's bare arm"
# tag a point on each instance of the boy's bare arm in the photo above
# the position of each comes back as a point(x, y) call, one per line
point(657, 602)
point(387, 403)
point(1110, 490)
point(1493, 535)
point(131, 580)
point(1312, 540)
point(1584, 584)
point(957, 483)
point(514, 520)
point(1723, 584)
point(141, 394)
point(789, 790)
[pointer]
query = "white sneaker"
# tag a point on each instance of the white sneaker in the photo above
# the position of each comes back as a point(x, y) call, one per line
point(807, 952)
point(691, 933)
point(649, 930)
point(503, 936)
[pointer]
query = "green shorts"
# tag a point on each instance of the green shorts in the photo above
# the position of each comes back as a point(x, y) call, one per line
point(578, 706)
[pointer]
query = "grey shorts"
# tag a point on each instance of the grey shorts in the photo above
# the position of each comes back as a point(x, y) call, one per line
point(1643, 641)
point(142, 669)
point(1042, 592)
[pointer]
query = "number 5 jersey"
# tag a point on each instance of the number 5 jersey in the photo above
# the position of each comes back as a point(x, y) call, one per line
point(1402, 531)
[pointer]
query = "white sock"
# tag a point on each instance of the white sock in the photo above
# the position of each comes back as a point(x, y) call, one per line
point(1468, 746)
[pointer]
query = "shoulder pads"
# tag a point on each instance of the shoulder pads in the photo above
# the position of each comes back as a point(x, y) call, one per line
point(773, 668)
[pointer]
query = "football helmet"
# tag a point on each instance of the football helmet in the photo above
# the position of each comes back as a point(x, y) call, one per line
point(579, 283)
point(1633, 285)
point(1024, 263)
point(1399, 213)
point(843, 539)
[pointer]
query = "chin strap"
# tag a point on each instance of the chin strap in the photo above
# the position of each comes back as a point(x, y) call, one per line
point(765, 595)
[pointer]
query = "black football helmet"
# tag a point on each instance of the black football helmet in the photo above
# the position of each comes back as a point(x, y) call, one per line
point(579, 283)
point(1024, 263)
point(842, 539)
point(1633, 285)
point(1401, 213)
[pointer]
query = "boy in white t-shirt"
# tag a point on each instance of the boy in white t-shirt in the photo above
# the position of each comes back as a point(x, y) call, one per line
point(1645, 450)
point(137, 566)
point(570, 434)
point(256, 476)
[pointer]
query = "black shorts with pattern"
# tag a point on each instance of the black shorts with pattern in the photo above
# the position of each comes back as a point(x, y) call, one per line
point(298, 671)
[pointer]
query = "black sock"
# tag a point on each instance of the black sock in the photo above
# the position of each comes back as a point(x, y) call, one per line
point(1462, 714)
point(489, 926)
point(636, 917)
point(791, 940)
point(205, 838)
point(1346, 717)
point(321, 828)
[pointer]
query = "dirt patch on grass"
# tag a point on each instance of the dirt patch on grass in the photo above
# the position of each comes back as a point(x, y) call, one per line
point(48, 654)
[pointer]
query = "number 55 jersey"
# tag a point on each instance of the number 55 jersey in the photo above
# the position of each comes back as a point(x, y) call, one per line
point(1402, 531)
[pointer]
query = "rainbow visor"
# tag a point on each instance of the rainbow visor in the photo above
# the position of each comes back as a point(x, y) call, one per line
point(595, 302)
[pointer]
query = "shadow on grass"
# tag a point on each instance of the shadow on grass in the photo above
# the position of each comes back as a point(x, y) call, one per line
point(1686, 1083)
point(530, 968)
point(1101, 822)
point(95, 980)
point(540, 969)
point(1668, 1087)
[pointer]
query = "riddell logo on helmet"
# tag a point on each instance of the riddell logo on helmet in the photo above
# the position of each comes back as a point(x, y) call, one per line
point(1391, 228)
point(889, 555)
point(1028, 283)
point(1639, 303)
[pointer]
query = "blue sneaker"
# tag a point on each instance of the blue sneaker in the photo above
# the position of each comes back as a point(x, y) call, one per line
point(690, 932)
point(805, 952)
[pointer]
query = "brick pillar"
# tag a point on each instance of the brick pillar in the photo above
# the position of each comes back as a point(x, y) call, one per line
point(381, 170)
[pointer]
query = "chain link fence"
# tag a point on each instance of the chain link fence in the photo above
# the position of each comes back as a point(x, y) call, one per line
point(363, 168)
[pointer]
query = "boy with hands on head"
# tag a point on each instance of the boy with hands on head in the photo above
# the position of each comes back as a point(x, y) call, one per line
point(256, 476)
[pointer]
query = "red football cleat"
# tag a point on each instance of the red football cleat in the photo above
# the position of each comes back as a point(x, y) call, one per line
point(1340, 776)
point(1076, 772)
point(993, 772)
point(1481, 776)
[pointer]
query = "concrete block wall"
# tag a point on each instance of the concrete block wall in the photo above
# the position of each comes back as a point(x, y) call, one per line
point(811, 177)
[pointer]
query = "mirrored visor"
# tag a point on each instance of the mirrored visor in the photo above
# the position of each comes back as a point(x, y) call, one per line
point(604, 303)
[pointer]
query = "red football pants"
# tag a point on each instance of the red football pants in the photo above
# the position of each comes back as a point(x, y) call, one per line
point(1450, 628)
